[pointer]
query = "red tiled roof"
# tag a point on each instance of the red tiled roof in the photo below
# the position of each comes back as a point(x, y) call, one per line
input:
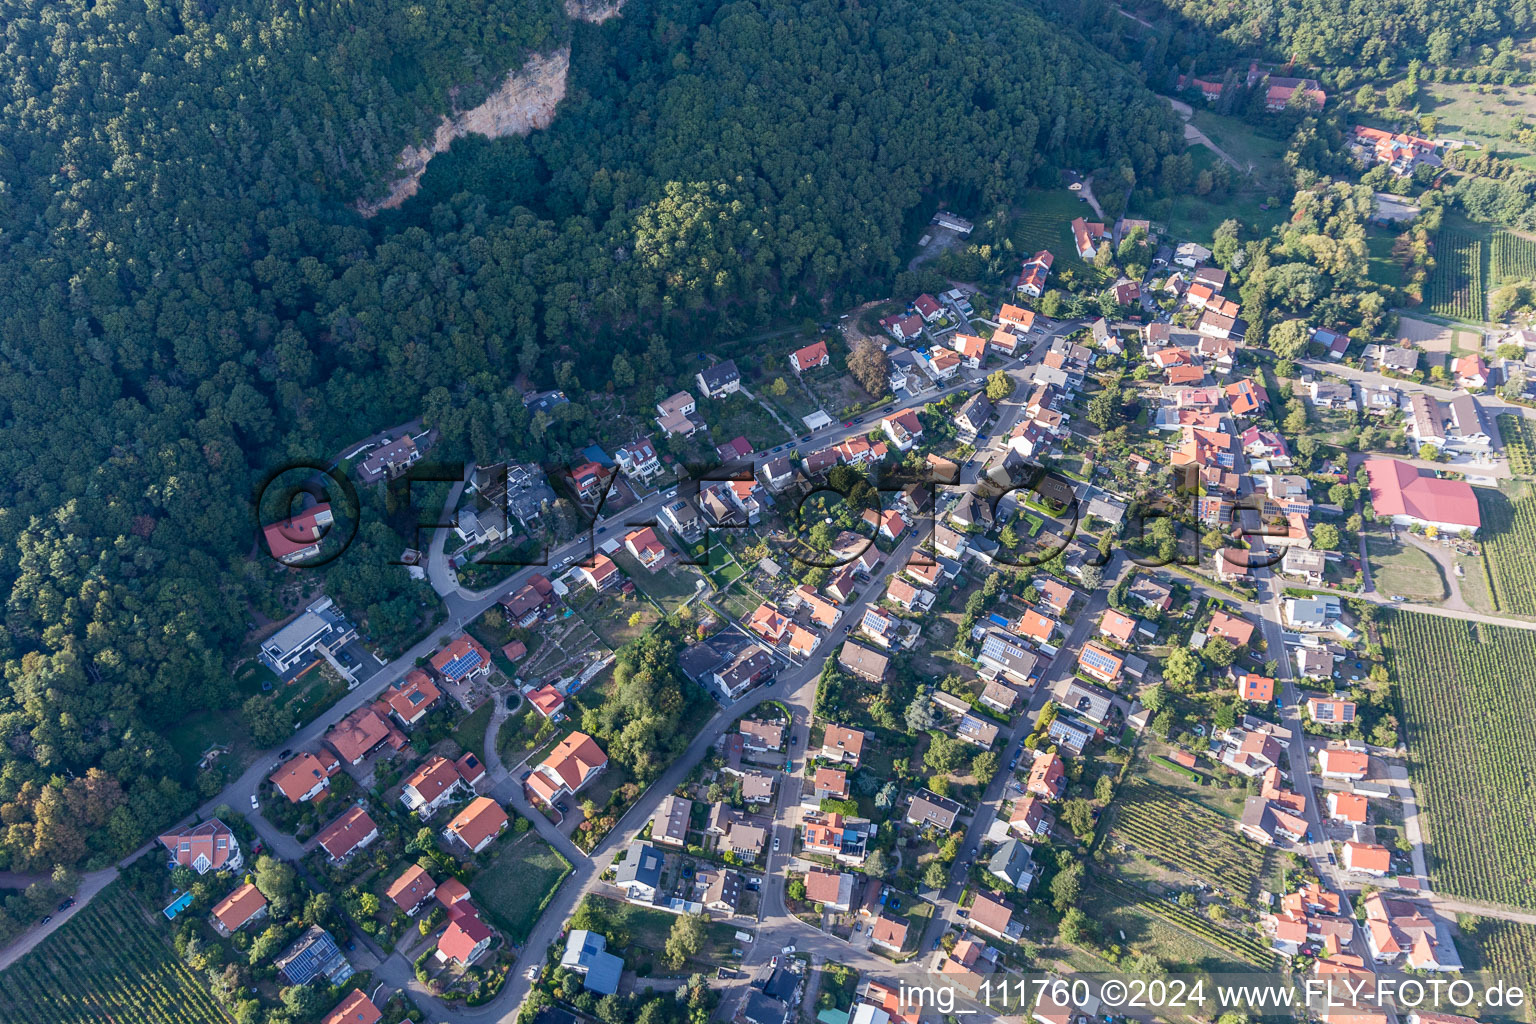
point(1400, 489)
point(343, 835)
point(295, 533)
point(238, 907)
point(482, 819)
point(413, 886)
point(211, 840)
point(461, 645)
point(357, 734)
point(463, 934)
point(546, 700)
point(298, 776)
point(432, 778)
point(354, 1008)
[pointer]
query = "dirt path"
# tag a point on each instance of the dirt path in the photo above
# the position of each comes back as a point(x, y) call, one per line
point(771, 411)
point(1459, 906)
point(1446, 562)
point(1197, 137)
point(1093, 201)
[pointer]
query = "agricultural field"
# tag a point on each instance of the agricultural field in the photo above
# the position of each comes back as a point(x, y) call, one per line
point(1470, 717)
point(1044, 222)
point(1456, 285)
point(1187, 835)
point(1399, 567)
point(1509, 549)
point(1503, 949)
point(1236, 940)
point(107, 963)
point(1514, 258)
point(1519, 444)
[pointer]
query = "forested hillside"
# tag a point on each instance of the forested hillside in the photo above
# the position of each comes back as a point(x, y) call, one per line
point(191, 298)
point(1341, 33)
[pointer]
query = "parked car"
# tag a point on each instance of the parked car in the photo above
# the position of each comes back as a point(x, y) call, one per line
point(775, 844)
point(254, 805)
point(67, 903)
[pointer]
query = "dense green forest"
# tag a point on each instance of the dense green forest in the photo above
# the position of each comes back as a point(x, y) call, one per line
point(1348, 33)
point(192, 299)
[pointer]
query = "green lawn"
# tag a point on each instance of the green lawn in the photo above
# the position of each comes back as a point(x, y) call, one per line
point(1400, 568)
point(641, 930)
point(469, 734)
point(1383, 269)
point(515, 887)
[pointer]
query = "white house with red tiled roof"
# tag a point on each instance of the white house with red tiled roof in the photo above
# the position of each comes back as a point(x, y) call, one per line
point(810, 357)
point(209, 846)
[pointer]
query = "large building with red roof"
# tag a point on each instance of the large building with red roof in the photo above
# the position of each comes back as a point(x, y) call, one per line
point(1409, 496)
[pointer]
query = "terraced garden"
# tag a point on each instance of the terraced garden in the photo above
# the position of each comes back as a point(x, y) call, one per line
point(1189, 836)
point(1470, 714)
point(1456, 285)
point(107, 963)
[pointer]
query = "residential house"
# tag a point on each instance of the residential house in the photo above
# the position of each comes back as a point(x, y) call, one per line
point(719, 380)
point(1348, 807)
point(1330, 711)
point(298, 537)
point(991, 914)
point(999, 696)
point(829, 784)
point(928, 810)
point(1088, 700)
point(602, 574)
point(677, 414)
point(478, 824)
point(1256, 688)
point(240, 907)
point(840, 743)
point(1032, 625)
point(354, 1008)
point(974, 413)
point(361, 733)
point(722, 889)
point(1401, 931)
point(1012, 862)
point(1367, 858)
point(638, 459)
point(1305, 563)
point(1047, 777)
point(669, 825)
point(389, 460)
point(869, 665)
point(904, 429)
point(1150, 592)
point(435, 783)
point(684, 520)
point(1342, 763)
point(1100, 663)
point(586, 955)
point(927, 307)
point(527, 604)
point(1117, 626)
point(832, 889)
point(1070, 735)
point(304, 776)
point(645, 547)
point(971, 350)
point(312, 955)
point(1033, 274)
point(575, 761)
point(810, 357)
point(204, 847)
point(1031, 818)
point(1003, 654)
point(1086, 237)
point(463, 661)
point(412, 699)
point(1312, 613)
point(466, 939)
point(354, 830)
point(411, 891)
point(904, 327)
point(888, 933)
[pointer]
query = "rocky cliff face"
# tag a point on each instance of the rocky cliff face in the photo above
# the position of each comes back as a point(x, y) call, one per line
point(525, 101)
point(595, 11)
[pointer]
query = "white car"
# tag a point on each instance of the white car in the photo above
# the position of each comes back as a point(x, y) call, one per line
point(254, 805)
point(775, 844)
point(532, 973)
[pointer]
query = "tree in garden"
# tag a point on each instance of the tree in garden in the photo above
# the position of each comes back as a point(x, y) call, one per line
point(886, 798)
point(1180, 668)
point(1154, 698)
point(1325, 537)
point(984, 766)
point(875, 864)
point(1077, 814)
point(1288, 339)
point(1104, 788)
point(999, 385)
point(1075, 928)
point(934, 875)
point(686, 939)
point(1218, 651)
point(1067, 887)
point(796, 889)
point(945, 754)
point(868, 365)
point(920, 714)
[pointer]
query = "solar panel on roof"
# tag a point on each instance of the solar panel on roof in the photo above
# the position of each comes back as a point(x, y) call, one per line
point(462, 664)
